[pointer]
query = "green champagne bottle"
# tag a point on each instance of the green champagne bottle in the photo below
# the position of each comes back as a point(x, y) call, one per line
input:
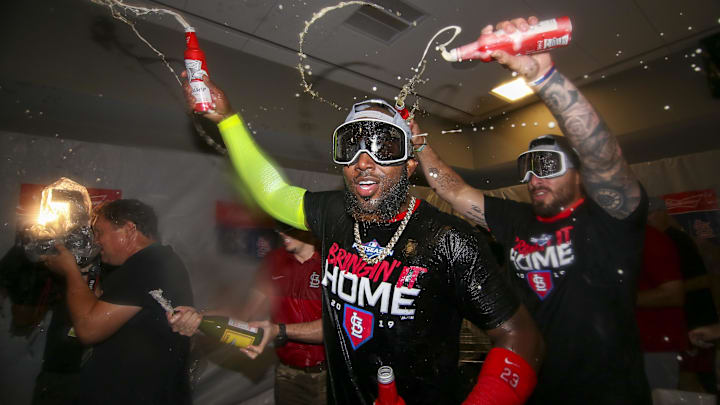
point(231, 331)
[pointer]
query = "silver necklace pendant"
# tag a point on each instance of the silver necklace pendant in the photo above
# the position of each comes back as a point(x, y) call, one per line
point(384, 251)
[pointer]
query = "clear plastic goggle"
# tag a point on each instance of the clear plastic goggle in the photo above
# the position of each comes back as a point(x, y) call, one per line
point(543, 163)
point(384, 142)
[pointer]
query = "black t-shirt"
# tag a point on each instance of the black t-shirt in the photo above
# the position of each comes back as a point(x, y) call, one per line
point(577, 275)
point(405, 311)
point(144, 362)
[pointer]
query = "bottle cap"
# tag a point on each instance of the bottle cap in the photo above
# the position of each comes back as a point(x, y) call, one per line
point(386, 375)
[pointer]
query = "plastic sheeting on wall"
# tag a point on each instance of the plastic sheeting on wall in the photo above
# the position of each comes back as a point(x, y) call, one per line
point(183, 188)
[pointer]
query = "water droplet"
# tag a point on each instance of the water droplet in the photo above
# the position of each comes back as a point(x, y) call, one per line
point(492, 127)
point(690, 28)
point(514, 74)
point(698, 51)
point(667, 107)
point(551, 124)
point(297, 94)
point(697, 69)
point(586, 76)
point(620, 271)
point(513, 125)
point(662, 34)
point(645, 67)
point(535, 124)
point(97, 180)
point(522, 125)
point(280, 6)
point(374, 88)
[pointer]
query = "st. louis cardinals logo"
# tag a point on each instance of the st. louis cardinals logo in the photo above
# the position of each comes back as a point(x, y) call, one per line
point(541, 282)
point(358, 325)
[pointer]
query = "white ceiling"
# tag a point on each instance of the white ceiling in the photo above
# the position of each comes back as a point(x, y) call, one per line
point(70, 70)
point(608, 37)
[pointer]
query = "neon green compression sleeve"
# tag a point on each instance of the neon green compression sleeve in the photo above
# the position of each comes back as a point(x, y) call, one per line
point(267, 185)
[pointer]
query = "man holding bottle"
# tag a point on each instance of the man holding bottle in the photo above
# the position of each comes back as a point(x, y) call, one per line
point(575, 252)
point(289, 279)
point(398, 275)
point(136, 357)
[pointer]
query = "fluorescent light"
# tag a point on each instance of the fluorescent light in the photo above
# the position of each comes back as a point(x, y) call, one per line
point(513, 90)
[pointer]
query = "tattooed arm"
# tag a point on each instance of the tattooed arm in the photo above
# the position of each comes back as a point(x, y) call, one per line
point(468, 201)
point(606, 175)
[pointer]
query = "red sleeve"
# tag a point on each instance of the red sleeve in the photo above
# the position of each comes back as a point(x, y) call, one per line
point(661, 262)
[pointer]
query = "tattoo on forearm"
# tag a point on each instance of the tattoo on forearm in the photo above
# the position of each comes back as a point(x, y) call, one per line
point(444, 181)
point(606, 175)
point(477, 215)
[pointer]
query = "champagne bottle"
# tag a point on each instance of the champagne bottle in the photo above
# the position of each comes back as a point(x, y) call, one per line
point(231, 331)
point(387, 391)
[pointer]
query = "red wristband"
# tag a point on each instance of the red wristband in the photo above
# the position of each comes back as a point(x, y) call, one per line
point(505, 378)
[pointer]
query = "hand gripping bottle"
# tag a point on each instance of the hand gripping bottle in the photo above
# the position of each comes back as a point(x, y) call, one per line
point(541, 37)
point(230, 331)
point(196, 70)
point(387, 391)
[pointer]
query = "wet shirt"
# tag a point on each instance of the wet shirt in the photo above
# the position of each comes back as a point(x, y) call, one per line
point(296, 297)
point(406, 310)
point(577, 274)
point(144, 362)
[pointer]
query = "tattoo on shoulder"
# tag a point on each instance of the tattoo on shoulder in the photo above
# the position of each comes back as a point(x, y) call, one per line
point(477, 215)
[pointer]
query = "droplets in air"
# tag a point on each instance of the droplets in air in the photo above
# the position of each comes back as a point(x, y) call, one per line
point(551, 124)
point(374, 88)
point(666, 108)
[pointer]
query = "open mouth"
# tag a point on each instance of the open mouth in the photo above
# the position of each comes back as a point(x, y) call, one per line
point(366, 188)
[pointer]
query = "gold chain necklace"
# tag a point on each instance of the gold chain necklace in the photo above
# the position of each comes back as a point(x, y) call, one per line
point(384, 251)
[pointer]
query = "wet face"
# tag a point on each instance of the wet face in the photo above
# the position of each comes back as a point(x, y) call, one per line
point(550, 196)
point(374, 192)
point(114, 240)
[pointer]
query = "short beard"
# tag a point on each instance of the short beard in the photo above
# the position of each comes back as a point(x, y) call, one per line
point(383, 209)
point(564, 197)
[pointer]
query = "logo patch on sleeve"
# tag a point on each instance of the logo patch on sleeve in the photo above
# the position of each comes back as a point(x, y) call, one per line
point(541, 282)
point(358, 324)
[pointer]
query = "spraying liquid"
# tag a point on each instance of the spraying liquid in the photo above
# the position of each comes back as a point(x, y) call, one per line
point(117, 8)
point(307, 88)
point(541, 37)
point(407, 89)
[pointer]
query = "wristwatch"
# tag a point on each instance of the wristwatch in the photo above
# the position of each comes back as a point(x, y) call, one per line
point(281, 337)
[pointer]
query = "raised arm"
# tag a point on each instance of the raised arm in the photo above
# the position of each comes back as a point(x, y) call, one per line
point(265, 183)
point(607, 177)
point(468, 201)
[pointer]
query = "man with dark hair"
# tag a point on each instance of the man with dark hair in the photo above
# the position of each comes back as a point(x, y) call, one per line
point(574, 253)
point(398, 276)
point(136, 357)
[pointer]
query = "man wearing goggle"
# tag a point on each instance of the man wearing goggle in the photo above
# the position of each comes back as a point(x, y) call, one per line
point(367, 130)
point(575, 251)
point(398, 276)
